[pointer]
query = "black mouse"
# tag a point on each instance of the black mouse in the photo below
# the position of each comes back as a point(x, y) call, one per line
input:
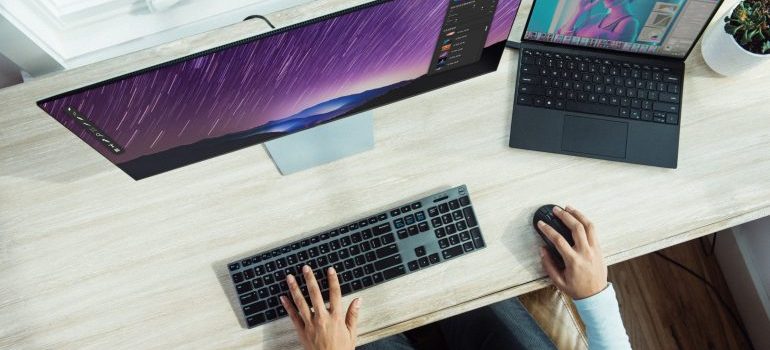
point(546, 215)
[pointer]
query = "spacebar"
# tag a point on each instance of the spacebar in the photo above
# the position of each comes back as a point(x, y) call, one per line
point(591, 108)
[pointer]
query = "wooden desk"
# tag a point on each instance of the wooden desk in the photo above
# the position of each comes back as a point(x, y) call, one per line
point(93, 259)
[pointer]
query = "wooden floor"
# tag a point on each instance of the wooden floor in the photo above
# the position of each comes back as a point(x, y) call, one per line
point(664, 307)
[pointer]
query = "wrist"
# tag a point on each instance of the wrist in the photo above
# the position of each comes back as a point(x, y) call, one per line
point(592, 292)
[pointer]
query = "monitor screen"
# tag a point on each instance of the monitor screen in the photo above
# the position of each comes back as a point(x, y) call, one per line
point(285, 81)
point(662, 28)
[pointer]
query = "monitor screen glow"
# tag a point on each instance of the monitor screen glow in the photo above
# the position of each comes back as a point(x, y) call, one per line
point(286, 81)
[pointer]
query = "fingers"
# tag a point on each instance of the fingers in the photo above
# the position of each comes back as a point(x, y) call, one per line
point(314, 290)
point(578, 231)
point(587, 224)
point(351, 319)
point(335, 294)
point(295, 319)
point(551, 268)
point(299, 300)
point(561, 244)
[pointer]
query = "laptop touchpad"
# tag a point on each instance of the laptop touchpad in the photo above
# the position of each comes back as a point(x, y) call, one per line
point(594, 136)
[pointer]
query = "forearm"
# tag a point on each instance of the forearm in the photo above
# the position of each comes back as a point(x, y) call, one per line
point(601, 315)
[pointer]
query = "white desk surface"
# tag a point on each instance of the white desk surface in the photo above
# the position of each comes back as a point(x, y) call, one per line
point(92, 259)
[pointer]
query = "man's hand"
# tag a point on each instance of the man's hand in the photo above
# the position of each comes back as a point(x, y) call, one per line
point(322, 328)
point(585, 273)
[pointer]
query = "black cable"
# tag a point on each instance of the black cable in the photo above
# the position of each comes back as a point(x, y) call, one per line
point(260, 17)
point(713, 290)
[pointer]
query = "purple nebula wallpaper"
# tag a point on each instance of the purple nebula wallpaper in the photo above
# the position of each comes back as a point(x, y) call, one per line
point(271, 86)
point(503, 21)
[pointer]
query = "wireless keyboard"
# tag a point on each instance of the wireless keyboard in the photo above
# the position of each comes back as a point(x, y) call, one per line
point(365, 252)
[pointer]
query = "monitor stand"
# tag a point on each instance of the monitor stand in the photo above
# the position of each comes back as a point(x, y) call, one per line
point(323, 144)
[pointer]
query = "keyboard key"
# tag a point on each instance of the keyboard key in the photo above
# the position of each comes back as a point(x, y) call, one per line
point(433, 211)
point(468, 246)
point(420, 251)
point(243, 287)
point(665, 107)
point(423, 261)
point(470, 217)
point(234, 266)
point(423, 227)
point(238, 277)
point(672, 118)
point(356, 285)
point(413, 265)
point(666, 97)
point(386, 251)
point(254, 308)
point(478, 241)
point(402, 234)
point(271, 315)
point(671, 79)
point(452, 252)
point(394, 272)
point(248, 298)
point(255, 320)
point(433, 258)
point(383, 264)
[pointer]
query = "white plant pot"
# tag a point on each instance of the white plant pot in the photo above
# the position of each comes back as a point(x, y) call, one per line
point(723, 54)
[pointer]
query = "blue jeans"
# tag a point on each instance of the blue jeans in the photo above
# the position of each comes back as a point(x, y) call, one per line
point(504, 325)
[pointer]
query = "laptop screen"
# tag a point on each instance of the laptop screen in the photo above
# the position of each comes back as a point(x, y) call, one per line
point(663, 28)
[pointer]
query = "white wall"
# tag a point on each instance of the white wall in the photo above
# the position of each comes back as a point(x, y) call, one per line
point(743, 253)
point(9, 73)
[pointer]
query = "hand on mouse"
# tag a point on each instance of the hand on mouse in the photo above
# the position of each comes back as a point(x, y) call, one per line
point(322, 328)
point(585, 273)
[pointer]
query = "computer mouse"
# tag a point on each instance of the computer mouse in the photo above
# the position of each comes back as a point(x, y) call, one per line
point(546, 215)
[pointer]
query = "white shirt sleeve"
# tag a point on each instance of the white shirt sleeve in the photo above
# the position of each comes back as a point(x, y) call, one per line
point(601, 315)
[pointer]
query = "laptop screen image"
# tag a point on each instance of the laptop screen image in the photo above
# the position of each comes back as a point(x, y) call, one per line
point(667, 28)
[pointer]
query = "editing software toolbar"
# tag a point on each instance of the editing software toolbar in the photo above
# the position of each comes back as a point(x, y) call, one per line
point(463, 34)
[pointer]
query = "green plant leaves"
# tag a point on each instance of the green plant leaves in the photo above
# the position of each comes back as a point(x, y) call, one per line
point(749, 24)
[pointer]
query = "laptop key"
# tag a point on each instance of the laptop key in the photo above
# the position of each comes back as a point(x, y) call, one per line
point(591, 108)
point(665, 107)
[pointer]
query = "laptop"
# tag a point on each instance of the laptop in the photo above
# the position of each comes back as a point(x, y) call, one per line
point(603, 78)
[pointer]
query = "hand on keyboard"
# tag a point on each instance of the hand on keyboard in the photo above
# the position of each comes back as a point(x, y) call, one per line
point(585, 273)
point(321, 328)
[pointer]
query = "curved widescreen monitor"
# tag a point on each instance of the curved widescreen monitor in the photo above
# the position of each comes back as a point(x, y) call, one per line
point(284, 81)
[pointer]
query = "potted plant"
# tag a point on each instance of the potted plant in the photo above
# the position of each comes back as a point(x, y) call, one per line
point(740, 42)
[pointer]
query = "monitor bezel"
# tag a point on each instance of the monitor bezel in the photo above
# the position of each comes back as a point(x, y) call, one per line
point(612, 51)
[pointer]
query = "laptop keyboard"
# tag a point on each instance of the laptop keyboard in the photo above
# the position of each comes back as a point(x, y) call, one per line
point(593, 85)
